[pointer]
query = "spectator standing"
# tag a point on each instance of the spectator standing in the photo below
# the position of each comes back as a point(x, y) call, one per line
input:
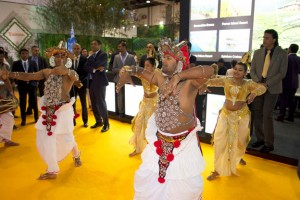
point(97, 83)
point(290, 84)
point(120, 60)
point(268, 66)
point(26, 87)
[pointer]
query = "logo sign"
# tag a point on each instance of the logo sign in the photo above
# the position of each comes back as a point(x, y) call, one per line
point(15, 34)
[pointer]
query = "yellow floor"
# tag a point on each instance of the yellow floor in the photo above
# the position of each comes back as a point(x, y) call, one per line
point(107, 171)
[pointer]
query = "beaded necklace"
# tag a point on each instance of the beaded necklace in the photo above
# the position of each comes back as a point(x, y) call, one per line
point(52, 101)
point(168, 110)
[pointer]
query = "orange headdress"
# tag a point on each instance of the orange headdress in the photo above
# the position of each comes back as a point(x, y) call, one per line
point(60, 49)
point(179, 52)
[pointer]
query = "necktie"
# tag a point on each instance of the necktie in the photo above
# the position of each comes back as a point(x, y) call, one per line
point(266, 64)
point(25, 67)
point(37, 62)
point(76, 63)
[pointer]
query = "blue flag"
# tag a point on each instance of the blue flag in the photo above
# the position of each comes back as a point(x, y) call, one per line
point(72, 40)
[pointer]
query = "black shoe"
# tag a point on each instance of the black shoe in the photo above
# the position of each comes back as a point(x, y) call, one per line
point(266, 149)
point(23, 123)
point(121, 115)
point(86, 125)
point(258, 144)
point(105, 128)
point(97, 124)
point(15, 127)
point(35, 120)
point(279, 119)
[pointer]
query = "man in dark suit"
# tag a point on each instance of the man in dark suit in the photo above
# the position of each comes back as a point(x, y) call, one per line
point(268, 66)
point(26, 87)
point(192, 58)
point(78, 65)
point(290, 83)
point(144, 57)
point(121, 59)
point(199, 101)
point(222, 69)
point(97, 82)
point(41, 64)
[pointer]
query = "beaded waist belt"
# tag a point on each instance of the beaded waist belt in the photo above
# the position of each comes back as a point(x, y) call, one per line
point(164, 148)
point(241, 112)
point(50, 117)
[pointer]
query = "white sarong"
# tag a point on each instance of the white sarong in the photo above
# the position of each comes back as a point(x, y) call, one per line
point(56, 147)
point(183, 179)
point(6, 125)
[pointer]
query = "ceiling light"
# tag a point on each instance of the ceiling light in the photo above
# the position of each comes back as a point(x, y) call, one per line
point(148, 1)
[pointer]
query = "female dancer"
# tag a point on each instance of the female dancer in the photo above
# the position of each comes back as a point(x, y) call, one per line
point(146, 109)
point(231, 135)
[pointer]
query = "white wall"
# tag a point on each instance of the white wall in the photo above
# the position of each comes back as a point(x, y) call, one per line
point(24, 14)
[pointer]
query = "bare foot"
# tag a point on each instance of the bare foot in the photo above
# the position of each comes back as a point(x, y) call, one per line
point(9, 143)
point(47, 176)
point(77, 162)
point(213, 176)
point(243, 162)
point(133, 153)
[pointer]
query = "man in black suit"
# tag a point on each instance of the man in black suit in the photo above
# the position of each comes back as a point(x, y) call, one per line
point(144, 57)
point(192, 58)
point(221, 67)
point(41, 64)
point(97, 82)
point(199, 101)
point(78, 65)
point(26, 87)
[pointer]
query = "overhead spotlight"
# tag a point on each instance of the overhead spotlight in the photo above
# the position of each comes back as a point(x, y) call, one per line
point(123, 27)
point(161, 23)
point(145, 25)
point(133, 26)
point(148, 1)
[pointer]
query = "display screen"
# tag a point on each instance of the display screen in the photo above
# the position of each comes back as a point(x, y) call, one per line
point(213, 106)
point(229, 28)
point(133, 97)
point(110, 97)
